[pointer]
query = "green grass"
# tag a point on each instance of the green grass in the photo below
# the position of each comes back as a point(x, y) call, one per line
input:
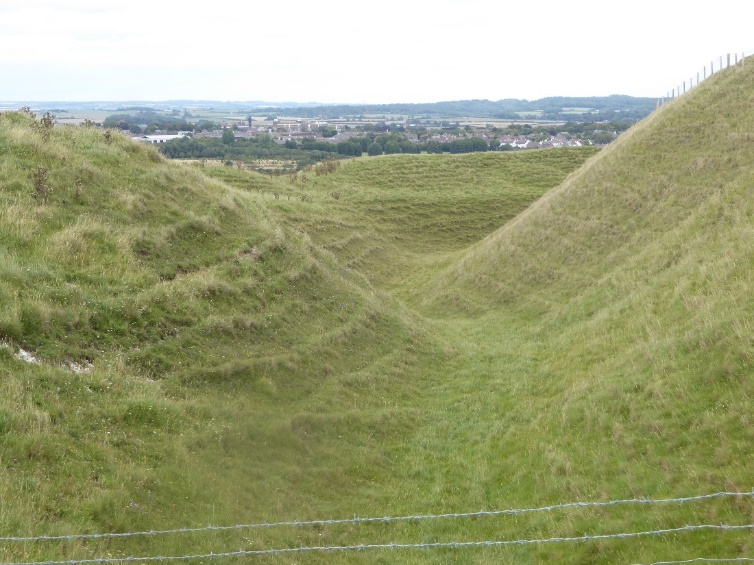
point(392, 217)
point(406, 335)
point(214, 333)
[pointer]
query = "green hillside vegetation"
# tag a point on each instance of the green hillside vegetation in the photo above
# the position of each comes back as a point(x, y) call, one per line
point(398, 335)
point(216, 339)
point(388, 217)
point(629, 288)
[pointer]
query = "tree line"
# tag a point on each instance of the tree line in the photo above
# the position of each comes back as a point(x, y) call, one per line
point(313, 150)
point(557, 108)
point(148, 122)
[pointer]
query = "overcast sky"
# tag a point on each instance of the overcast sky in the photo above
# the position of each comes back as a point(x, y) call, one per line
point(359, 52)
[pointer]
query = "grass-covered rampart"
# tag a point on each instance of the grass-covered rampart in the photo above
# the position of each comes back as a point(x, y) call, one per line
point(184, 340)
point(399, 336)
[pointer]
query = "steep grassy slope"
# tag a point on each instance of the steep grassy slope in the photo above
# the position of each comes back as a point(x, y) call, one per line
point(573, 374)
point(601, 339)
point(187, 346)
point(399, 216)
point(609, 327)
point(685, 162)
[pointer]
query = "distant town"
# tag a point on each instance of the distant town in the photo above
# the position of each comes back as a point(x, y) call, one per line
point(251, 135)
point(284, 131)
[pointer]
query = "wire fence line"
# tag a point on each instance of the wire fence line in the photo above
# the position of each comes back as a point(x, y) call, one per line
point(394, 546)
point(707, 560)
point(715, 66)
point(388, 519)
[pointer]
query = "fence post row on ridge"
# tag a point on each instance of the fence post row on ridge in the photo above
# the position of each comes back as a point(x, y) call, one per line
point(681, 88)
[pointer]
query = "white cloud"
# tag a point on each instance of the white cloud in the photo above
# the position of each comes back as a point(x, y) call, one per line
point(331, 51)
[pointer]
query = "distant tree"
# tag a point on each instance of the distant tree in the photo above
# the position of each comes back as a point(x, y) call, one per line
point(434, 147)
point(364, 142)
point(265, 139)
point(409, 147)
point(602, 137)
point(351, 148)
point(384, 138)
point(309, 144)
point(374, 149)
point(392, 147)
point(327, 131)
point(228, 137)
point(468, 145)
point(206, 125)
point(290, 144)
point(173, 127)
point(135, 129)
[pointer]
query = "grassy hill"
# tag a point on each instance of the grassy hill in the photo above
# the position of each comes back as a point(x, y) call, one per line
point(403, 335)
point(388, 217)
point(185, 342)
point(625, 292)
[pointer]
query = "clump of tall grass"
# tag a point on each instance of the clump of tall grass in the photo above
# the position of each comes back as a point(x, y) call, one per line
point(326, 167)
point(40, 177)
point(46, 123)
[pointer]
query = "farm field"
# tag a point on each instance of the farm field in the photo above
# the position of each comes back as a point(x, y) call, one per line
point(396, 336)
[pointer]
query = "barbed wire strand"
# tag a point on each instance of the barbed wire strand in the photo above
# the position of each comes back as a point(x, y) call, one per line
point(393, 546)
point(385, 519)
point(707, 560)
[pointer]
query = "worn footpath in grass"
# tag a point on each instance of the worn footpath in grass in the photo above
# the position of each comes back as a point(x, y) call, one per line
point(601, 342)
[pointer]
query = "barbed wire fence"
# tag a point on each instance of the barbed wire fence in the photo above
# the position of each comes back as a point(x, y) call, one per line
point(405, 546)
point(388, 519)
point(707, 560)
point(395, 546)
point(715, 66)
